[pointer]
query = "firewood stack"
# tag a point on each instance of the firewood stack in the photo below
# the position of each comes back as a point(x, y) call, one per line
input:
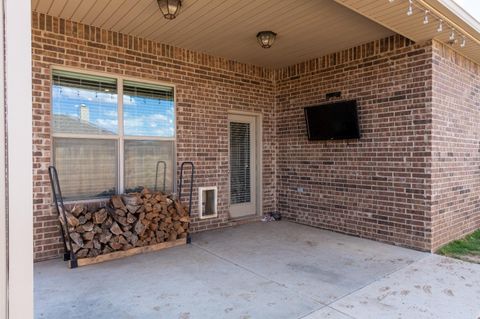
point(127, 221)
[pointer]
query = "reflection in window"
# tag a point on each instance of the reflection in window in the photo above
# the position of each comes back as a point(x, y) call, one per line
point(148, 110)
point(87, 140)
point(84, 104)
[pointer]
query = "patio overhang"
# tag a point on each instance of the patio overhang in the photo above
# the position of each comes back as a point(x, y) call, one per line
point(306, 29)
point(392, 15)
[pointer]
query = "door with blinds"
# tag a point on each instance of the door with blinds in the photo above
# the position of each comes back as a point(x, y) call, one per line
point(242, 157)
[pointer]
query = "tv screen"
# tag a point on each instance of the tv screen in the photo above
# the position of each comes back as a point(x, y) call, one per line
point(333, 121)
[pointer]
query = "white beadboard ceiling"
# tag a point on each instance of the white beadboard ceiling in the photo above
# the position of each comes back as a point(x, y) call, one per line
point(393, 15)
point(306, 28)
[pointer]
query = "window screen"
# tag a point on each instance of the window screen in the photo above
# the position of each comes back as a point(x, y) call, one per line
point(87, 168)
point(141, 159)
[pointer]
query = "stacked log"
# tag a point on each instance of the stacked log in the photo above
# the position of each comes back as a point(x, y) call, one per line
point(127, 221)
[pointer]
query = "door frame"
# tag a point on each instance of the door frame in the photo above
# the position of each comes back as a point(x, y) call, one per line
point(258, 161)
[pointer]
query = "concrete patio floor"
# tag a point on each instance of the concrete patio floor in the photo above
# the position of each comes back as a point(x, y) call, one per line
point(264, 270)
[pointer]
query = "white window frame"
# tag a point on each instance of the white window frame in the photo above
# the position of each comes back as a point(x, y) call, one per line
point(120, 137)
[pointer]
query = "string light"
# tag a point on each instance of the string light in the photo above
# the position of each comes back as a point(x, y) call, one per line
point(440, 26)
point(428, 16)
point(410, 8)
point(425, 18)
point(452, 35)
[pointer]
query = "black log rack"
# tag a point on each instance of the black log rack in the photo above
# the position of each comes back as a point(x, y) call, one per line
point(69, 254)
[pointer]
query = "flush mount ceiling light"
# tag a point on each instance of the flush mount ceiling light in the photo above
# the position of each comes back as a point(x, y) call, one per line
point(169, 8)
point(266, 38)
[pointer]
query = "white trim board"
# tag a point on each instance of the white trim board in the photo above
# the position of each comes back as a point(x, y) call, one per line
point(3, 182)
point(19, 188)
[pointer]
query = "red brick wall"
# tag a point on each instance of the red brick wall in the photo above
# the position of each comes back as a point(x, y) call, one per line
point(207, 88)
point(412, 179)
point(456, 145)
point(375, 187)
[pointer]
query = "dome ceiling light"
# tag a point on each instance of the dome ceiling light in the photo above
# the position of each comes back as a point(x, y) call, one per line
point(266, 38)
point(169, 8)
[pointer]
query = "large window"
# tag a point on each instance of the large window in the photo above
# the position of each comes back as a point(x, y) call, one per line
point(111, 135)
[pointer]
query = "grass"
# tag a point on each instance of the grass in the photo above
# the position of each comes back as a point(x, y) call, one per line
point(467, 248)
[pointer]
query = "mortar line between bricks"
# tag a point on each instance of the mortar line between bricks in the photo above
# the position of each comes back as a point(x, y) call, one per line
point(323, 305)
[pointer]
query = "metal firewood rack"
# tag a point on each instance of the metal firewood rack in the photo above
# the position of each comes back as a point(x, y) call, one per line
point(190, 194)
point(59, 205)
point(164, 164)
point(69, 254)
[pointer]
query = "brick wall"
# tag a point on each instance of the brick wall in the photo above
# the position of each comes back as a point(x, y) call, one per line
point(378, 186)
point(412, 179)
point(456, 145)
point(207, 88)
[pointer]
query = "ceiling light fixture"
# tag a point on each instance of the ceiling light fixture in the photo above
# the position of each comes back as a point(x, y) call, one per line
point(169, 8)
point(425, 18)
point(266, 38)
point(440, 26)
point(452, 35)
point(410, 8)
point(455, 36)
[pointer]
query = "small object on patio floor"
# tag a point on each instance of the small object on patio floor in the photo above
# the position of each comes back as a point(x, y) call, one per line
point(276, 216)
point(271, 217)
point(267, 218)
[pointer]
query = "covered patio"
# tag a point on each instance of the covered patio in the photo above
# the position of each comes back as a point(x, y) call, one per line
point(355, 122)
point(121, 88)
point(264, 270)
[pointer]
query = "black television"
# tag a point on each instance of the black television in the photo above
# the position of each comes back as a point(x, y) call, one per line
point(332, 121)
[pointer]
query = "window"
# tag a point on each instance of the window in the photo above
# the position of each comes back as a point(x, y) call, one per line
point(111, 135)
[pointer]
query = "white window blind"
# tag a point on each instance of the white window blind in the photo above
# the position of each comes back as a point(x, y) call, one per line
point(240, 163)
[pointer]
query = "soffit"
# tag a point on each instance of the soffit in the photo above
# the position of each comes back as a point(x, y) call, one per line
point(393, 15)
point(227, 28)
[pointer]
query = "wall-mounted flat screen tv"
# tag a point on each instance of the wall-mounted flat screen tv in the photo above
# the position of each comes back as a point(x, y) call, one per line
point(332, 121)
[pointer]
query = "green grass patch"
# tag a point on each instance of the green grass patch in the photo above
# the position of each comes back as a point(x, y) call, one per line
point(465, 247)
